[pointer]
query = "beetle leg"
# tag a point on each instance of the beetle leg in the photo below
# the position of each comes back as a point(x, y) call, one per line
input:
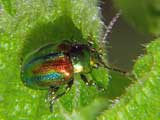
point(52, 96)
point(90, 82)
point(84, 78)
point(69, 86)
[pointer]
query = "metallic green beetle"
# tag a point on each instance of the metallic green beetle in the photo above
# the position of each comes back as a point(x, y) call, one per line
point(53, 66)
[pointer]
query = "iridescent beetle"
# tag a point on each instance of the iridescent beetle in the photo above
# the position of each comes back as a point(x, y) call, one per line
point(52, 66)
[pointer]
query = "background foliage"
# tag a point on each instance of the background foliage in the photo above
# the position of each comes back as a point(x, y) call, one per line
point(26, 25)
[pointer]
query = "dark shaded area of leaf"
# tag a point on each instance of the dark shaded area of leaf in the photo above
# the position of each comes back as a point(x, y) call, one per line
point(57, 31)
point(144, 15)
point(117, 84)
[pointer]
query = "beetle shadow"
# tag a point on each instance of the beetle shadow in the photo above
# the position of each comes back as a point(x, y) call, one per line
point(55, 31)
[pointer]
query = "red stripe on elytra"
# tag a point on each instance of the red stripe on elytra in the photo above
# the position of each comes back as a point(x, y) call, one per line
point(61, 65)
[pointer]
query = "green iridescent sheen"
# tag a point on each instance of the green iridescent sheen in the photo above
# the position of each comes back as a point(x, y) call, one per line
point(39, 81)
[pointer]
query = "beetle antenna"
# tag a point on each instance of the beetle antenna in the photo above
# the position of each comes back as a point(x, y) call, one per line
point(103, 64)
point(113, 68)
point(111, 24)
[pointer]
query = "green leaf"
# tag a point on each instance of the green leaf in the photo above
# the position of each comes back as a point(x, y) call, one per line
point(142, 100)
point(142, 14)
point(8, 6)
point(38, 22)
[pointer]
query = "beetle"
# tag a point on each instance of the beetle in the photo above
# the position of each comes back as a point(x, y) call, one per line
point(54, 65)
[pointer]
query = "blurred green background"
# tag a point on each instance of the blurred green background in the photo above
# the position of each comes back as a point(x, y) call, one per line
point(125, 43)
point(33, 21)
